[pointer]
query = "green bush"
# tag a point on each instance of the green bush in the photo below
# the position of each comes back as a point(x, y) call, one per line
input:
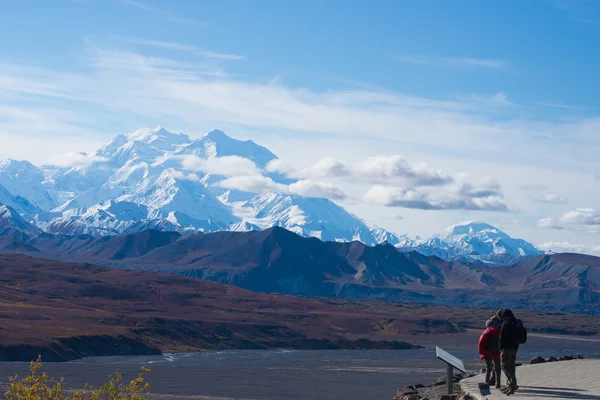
point(38, 386)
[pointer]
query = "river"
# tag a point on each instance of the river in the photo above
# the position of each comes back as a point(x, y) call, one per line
point(295, 375)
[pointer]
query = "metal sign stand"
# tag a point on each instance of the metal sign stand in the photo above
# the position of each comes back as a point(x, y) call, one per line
point(451, 363)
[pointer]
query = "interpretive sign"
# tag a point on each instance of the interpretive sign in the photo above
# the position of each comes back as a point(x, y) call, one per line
point(451, 363)
point(449, 359)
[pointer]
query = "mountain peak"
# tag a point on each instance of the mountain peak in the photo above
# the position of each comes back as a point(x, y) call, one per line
point(469, 228)
point(217, 134)
point(15, 165)
point(142, 133)
point(158, 137)
point(10, 219)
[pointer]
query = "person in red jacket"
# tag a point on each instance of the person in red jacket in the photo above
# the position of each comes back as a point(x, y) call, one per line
point(489, 351)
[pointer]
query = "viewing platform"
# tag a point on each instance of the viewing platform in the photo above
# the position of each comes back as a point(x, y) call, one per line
point(572, 380)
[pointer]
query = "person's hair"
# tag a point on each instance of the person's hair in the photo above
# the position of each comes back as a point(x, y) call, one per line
point(505, 314)
point(495, 320)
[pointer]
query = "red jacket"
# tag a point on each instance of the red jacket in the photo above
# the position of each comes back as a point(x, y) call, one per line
point(488, 334)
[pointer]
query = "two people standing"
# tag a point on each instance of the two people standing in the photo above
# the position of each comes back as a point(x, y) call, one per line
point(498, 346)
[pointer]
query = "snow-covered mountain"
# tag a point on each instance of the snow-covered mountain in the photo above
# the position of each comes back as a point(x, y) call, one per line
point(476, 242)
point(137, 181)
point(11, 220)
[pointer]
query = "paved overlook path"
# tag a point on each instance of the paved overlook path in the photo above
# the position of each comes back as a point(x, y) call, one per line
point(572, 380)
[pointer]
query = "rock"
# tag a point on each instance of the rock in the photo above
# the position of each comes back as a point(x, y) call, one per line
point(411, 397)
point(568, 358)
point(407, 391)
point(537, 360)
point(441, 381)
point(580, 357)
point(483, 370)
point(518, 364)
point(419, 386)
point(552, 359)
point(468, 397)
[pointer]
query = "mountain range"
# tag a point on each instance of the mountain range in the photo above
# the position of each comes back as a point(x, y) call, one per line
point(136, 182)
point(276, 260)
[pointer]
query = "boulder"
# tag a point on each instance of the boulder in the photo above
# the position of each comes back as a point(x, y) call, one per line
point(568, 358)
point(441, 381)
point(537, 360)
point(580, 357)
point(552, 359)
point(407, 391)
point(483, 370)
point(411, 397)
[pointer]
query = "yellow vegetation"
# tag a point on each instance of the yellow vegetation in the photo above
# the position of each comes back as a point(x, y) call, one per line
point(38, 386)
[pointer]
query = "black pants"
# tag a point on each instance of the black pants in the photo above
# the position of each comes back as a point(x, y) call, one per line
point(492, 370)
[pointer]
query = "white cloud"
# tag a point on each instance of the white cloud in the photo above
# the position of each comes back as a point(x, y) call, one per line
point(548, 223)
point(384, 168)
point(264, 184)
point(397, 216)
point(327, 167)
point(315, 189)
point(454, 62)
point(596, 249)
point(279, 166)
point(222, 166)
point(377, 169)
point(253, 184)
point(581, 216)
point(74, 159)
point(182, 175)
point(549, 198)
point(562, 247)
point(433, 200)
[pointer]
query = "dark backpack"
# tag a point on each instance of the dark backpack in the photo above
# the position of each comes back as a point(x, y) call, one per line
point(521, 332)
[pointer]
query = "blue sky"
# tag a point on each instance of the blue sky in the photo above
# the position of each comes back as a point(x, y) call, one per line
point(502, 91)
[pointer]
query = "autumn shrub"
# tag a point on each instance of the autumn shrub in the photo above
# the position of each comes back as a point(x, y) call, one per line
point(38, 386)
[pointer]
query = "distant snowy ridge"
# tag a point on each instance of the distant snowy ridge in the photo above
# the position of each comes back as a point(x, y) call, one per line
point(476, 242)
point(137, 182)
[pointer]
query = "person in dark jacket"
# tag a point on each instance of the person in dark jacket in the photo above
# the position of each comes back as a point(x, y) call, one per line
point(509, 346)
point(489, 351)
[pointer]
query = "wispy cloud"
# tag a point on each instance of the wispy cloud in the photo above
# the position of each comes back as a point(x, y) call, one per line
point(161, 13)
point(454, 62)
point(549, 198)
point(189, 49)
point(559, 105)
point(149, 89)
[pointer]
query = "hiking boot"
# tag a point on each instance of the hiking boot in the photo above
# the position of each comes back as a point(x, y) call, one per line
point(492, 382)
point(511, 390)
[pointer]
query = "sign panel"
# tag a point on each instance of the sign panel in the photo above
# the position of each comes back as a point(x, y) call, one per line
point(449, 359)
